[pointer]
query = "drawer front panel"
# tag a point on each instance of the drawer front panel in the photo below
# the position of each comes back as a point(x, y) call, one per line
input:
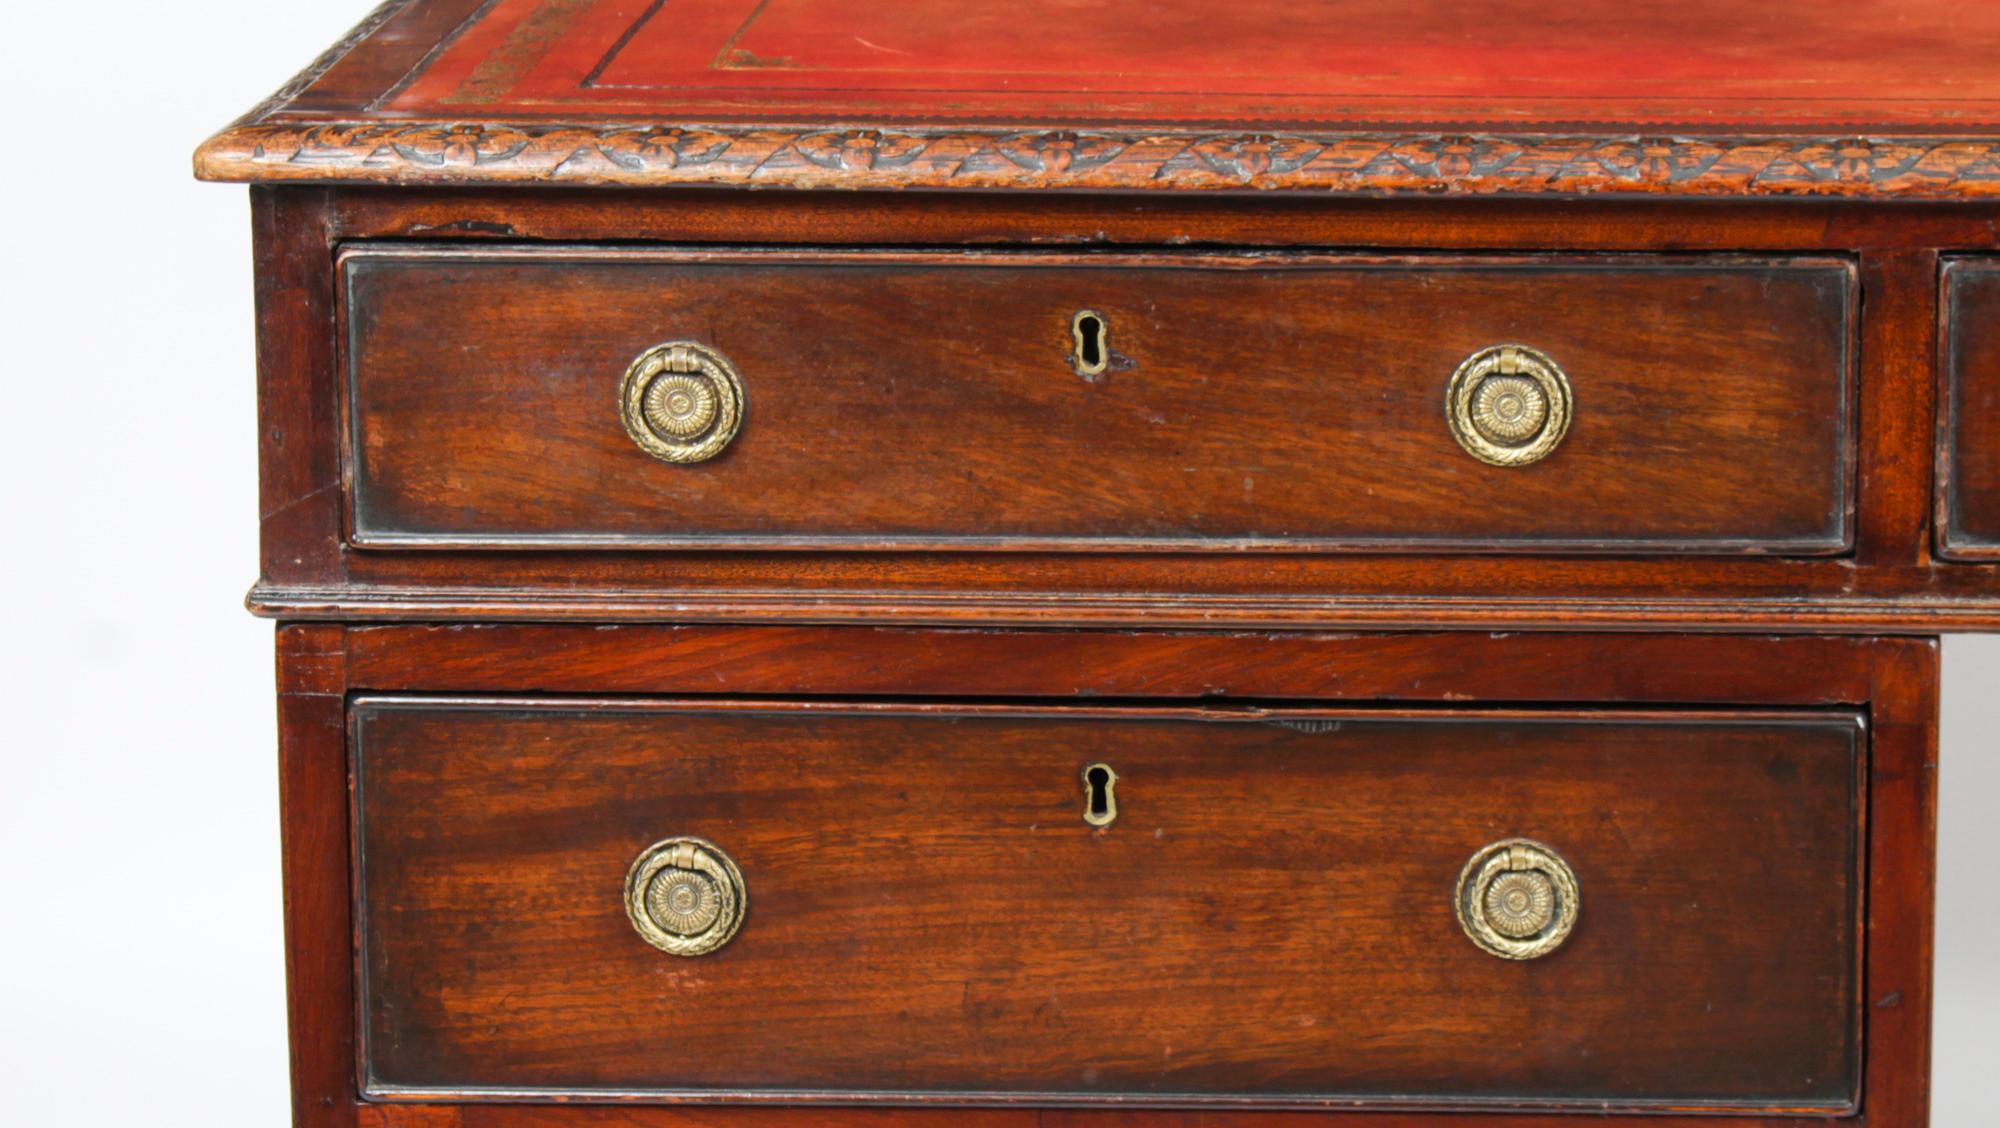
point(911, 400)
point(1268, 917)
point(1969, 472)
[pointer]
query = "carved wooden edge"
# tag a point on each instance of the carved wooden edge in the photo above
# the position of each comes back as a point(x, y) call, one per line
point(439, 152)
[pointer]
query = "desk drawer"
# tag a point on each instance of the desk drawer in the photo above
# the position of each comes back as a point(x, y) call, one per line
point(1268, 908)
point(1112, 402)
point(1969, 452)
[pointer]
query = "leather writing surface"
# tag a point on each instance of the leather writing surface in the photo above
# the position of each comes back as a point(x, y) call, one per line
point(1706, 98)
point(1717, 63)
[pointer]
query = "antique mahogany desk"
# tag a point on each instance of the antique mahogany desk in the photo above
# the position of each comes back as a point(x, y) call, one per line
point(947, 564)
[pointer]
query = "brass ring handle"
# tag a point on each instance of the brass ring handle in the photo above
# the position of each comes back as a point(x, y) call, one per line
point(685, 896)
point(1508, 405)
point(1517, 899)
point(681, 401)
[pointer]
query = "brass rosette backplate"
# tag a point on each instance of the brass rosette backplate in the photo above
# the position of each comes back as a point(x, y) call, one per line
point(685, 896)
point(681, 401)
point(1517, 899)
point(1508, 405)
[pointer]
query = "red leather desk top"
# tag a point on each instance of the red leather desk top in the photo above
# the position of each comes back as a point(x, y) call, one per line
point(1867, 74)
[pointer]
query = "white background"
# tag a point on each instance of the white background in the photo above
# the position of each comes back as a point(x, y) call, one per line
point(140, 953)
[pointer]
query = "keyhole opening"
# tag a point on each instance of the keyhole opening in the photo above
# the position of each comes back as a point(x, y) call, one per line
point(1093, 351)
point(1100, 805)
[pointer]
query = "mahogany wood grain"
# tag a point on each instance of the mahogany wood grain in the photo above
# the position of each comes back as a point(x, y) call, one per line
point(1894, 585)
point(1902, 883)
point(1894, 679)
point(1217, 591)
point(1899, 406)
point(319, 947)
point(1277, 402)
point(1269, 919)
point(1116, 665)
point(1198, 220)
point(299, 426)
point(1968, 498)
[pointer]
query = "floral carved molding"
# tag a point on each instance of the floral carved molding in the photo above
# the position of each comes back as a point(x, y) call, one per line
point(447, 153)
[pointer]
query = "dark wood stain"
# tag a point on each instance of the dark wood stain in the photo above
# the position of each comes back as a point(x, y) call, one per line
point(1269, 917)
point(1969, 447)
point(1891, 581)
point(1285, 402)
point(1544, 667)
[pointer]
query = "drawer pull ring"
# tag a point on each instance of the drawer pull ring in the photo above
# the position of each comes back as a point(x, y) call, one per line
point(1508, 405)
point(1100, 795)
point(1517, 899)
point(681, 401)
point(685, 896)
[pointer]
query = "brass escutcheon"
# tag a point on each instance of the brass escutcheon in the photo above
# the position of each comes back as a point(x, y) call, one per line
point(1517, 899)
point(1100, 795)
point(685, 896)
point(1092, 354)
point(1508, 405)
point(681, 401)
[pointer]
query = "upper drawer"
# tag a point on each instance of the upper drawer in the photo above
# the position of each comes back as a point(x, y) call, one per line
point(1969, 449)
point(1086, 401)
point(1275, 908)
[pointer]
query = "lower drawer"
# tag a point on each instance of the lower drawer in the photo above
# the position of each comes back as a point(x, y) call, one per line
point(1067, 905)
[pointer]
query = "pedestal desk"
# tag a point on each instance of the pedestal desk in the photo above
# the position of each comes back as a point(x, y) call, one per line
point(955, 564)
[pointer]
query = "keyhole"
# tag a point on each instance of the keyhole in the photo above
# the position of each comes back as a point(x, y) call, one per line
point(1093, 353)
point(1100, 803)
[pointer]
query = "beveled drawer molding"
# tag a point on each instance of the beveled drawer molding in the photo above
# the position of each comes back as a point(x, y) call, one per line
point(1968, 504)
point(1268, 920)
point(1219, 401)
